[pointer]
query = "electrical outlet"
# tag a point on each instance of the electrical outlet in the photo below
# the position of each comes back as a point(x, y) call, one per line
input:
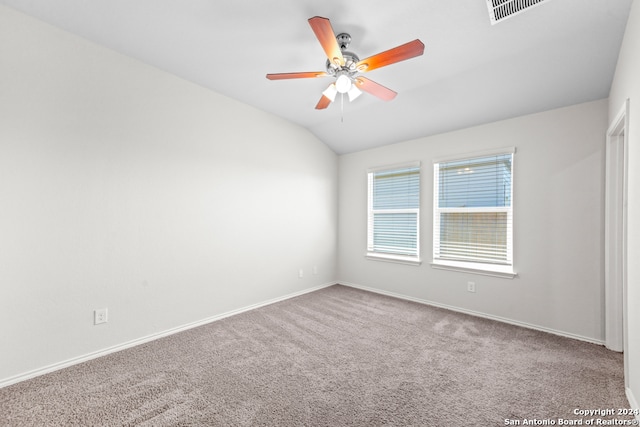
point(471, 286)
point(99, 316)
point(315, 269)
point(301, 273)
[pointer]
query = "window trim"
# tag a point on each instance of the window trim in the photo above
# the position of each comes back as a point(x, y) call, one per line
point(495, 270)
point(383, 256)
point(488, 269)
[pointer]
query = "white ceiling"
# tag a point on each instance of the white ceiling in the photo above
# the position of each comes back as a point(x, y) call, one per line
point(559, 53)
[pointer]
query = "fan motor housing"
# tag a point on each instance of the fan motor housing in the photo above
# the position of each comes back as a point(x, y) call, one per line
point(350, 58)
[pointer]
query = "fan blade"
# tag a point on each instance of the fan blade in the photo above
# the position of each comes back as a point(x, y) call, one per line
point(375, 89)
point(304, 75)
point(327, 38)
point(323, 103)
point(391, 56)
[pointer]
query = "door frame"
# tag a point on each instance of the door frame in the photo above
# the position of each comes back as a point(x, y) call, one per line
point(616, 233)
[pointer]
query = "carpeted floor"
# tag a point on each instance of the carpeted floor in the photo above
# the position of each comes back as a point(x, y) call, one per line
point(335, 357)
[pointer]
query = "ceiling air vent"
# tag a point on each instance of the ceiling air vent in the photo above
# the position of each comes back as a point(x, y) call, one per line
point(499, 10)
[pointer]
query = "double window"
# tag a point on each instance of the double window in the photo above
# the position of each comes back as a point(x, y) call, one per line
point(393, 231)
point(473, 213)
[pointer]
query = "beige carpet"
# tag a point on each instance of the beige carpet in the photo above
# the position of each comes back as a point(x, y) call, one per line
point(335, 357)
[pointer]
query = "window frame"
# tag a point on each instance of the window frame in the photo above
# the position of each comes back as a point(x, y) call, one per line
point(386, 256)
point(483, 268)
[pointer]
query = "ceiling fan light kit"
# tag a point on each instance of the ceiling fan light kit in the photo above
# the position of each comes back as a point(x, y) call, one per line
point(344, 66)
point(343, 81)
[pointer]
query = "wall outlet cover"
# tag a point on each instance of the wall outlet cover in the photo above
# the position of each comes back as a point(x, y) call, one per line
point(100, 316)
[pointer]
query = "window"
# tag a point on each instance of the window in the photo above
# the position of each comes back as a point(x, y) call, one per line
point(473, 215)
point(393, 230)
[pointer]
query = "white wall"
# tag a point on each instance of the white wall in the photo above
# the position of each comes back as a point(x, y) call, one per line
point(558, 214)
point(627, 85)
point(125, 187)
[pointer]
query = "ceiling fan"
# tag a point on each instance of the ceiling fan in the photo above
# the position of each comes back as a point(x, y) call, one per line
point(345, 66)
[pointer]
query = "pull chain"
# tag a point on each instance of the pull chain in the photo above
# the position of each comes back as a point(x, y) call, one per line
point(342, 108)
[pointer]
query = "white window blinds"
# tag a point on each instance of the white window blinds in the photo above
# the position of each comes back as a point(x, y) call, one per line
point(473, 218)
point(394, 211)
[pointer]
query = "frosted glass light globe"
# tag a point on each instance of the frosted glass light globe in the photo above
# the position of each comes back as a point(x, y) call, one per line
point(343, 83)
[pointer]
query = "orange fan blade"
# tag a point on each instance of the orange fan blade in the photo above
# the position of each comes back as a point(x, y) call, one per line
point(327, 38)
point(375, 89)
point(305, 75)
point(323, 103)
point(391, 56)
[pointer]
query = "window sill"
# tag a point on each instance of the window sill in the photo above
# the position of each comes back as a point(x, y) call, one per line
point(505, 271)
point(401, 259)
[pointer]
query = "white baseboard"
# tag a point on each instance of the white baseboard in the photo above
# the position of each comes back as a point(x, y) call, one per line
point(474, 313)
point(633, 403)
point(94, 355)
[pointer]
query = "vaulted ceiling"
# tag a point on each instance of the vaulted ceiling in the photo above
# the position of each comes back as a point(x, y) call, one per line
point(559, 53)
